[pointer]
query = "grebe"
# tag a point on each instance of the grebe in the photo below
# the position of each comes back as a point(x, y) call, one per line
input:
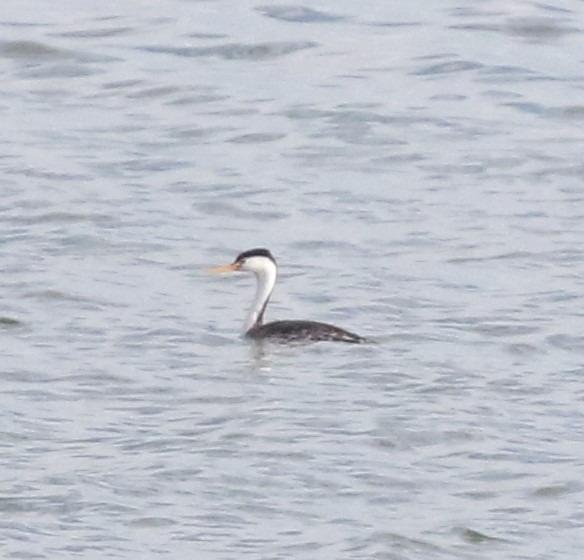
point(261, 263)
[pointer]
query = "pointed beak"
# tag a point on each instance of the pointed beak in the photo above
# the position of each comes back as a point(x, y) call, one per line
point(226, 268)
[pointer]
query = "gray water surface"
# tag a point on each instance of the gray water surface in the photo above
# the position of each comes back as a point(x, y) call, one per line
point(416, 169)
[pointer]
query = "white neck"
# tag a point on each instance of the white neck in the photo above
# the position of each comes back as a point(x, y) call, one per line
point(265, 272)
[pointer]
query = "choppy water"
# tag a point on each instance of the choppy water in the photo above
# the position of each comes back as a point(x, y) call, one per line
point(417, 170)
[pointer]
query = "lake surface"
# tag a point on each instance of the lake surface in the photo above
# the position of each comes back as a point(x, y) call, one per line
point(416, 168)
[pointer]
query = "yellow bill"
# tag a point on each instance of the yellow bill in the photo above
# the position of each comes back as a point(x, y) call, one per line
point(225, 268)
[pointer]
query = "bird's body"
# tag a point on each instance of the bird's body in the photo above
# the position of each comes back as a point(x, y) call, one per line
point(261, 263)
point(293, 331)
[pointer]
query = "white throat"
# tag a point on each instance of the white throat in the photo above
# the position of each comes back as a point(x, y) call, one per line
point(265, 272)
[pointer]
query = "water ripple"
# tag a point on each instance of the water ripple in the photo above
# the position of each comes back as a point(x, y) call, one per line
point(258, 51)
point(298, 14)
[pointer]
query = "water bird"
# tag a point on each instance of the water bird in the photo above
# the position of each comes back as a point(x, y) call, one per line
point(263, 265)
